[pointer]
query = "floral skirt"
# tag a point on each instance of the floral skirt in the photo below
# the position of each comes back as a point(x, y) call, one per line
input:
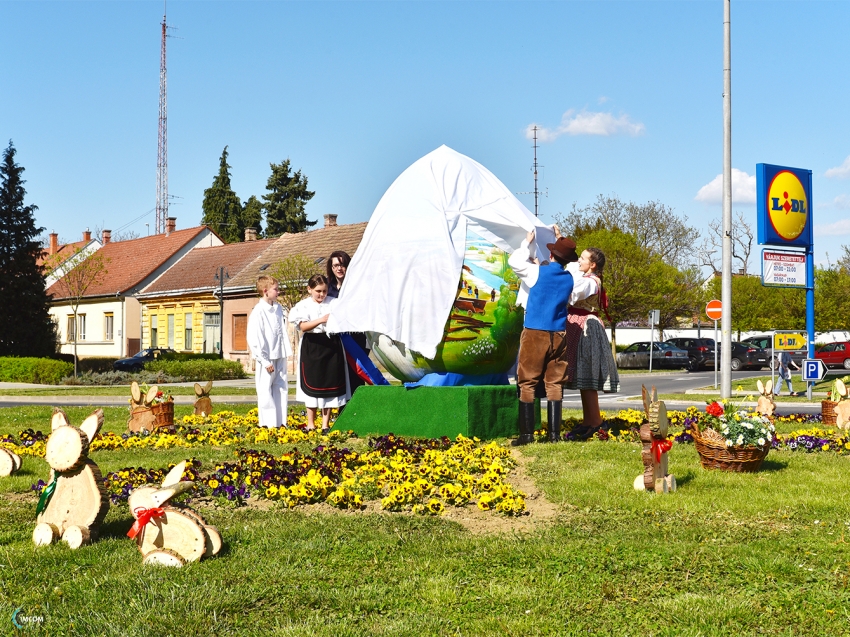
point(591, 364)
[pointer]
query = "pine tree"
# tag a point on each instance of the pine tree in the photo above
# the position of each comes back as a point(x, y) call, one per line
point(285, 201)
point(26, 328)
point(252, 214)
point(222, 208)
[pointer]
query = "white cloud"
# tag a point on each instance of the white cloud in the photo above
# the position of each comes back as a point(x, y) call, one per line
point(587, 123)
point(842, 202)
point(833, 229)
point(602, 99)
point(743, 189)
point(840, 172)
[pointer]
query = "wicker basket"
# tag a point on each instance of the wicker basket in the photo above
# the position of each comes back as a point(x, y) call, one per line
point(164, 414)
point(827, 410)
point(714, 454)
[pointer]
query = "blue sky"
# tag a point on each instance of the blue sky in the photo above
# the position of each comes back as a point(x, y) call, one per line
point(628, 94)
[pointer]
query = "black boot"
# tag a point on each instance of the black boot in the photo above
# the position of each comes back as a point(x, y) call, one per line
point(526, 424)
point(553, 411)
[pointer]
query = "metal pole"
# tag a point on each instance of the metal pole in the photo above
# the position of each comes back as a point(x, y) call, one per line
point(651, 337)
point(715, 354)
point(726, 294)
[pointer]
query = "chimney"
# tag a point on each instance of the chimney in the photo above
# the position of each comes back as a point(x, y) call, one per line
point(250, 234)
point(170, 225)
point(330, 221)
point(54, 243)
point(107, 236)
point(86, 235)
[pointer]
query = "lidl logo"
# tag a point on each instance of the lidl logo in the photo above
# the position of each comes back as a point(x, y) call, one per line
point(788, 206)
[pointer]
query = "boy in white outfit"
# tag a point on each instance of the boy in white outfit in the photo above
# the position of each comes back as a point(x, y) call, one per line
point(268, 339)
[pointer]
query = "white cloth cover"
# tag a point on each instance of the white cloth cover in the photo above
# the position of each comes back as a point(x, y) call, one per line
point(403, 278)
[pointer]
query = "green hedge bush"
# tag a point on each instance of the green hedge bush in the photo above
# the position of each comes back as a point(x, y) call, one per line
point(198, 369)
point(46, 371)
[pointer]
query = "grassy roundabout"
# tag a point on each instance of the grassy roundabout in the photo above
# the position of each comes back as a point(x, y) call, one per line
point(727, 554)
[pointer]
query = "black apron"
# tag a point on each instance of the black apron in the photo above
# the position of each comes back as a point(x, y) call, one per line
point(322, 366)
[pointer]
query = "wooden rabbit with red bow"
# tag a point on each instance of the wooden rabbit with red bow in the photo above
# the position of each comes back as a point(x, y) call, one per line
point(74, 502)
point(653, 435)
point(170, 535)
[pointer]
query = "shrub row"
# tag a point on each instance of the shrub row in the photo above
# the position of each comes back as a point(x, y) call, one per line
point(46, 371)
point(196, 369)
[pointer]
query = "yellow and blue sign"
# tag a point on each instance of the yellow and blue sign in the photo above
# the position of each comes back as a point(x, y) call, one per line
point(784, 199)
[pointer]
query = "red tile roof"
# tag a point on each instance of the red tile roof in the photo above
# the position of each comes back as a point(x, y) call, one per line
point(197, 269)
point(129, 263)
point(316, 244)
point(65, 251)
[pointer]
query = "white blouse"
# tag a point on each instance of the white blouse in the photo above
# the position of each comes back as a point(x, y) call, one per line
point(584, 285)
point(309, 310)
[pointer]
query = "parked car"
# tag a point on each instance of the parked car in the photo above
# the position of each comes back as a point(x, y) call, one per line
point(835, 354)
point(764, 341)
point(137, 362)
point(748, 356)
point(636, 356)
point(700, 351)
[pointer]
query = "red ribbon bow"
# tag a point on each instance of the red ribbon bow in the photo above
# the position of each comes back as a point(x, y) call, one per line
point(660, 446)
point(143, 516)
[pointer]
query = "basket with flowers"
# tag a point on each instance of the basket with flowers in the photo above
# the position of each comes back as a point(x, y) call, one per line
point(162, 407)
point(835, 395)
point(732, 440)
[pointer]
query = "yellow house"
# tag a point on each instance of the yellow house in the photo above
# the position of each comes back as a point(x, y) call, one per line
point(182, 310)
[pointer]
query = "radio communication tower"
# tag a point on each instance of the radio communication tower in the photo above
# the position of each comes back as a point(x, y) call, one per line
point(535, 166)
point(162, 145)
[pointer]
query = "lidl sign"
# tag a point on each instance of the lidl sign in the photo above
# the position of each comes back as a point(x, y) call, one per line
point(784, 199)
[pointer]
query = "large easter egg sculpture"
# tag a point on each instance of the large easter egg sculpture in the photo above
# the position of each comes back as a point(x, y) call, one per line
point(481, 336)
point(430, 282)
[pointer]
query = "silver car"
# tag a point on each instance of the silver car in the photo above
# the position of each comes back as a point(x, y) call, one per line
point(636, 356)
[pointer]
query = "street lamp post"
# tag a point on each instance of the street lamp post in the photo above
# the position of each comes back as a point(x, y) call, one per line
point(220, 277)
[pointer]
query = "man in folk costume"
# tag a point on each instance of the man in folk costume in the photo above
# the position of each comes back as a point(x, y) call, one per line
point(543, 345)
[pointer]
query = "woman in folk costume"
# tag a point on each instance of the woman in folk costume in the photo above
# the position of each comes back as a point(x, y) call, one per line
point(591, 367)
point(322, 376)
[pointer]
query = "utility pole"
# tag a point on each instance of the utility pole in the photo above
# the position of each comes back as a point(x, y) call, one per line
point(726, 281)
point(220, 277)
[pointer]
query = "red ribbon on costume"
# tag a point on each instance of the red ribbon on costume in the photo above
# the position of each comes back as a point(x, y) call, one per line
point(660, 446)
point(143, 516)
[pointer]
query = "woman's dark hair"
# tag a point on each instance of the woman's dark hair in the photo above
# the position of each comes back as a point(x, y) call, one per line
point(344, 259)
point(597, 257)
point(317, 280)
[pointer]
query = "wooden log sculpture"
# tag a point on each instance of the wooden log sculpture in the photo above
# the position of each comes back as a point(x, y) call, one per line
point(653, 435)
point(203, 405)
point(142, 417)
point(170, 535)
point(74, 502)
point(842, 407)
point(10, 462)
point(765, 405)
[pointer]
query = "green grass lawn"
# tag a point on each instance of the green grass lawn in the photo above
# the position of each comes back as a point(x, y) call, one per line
point(120, 390)
point(727, 554)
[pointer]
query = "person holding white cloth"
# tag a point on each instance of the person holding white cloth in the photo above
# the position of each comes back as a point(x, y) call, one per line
point(268, 340)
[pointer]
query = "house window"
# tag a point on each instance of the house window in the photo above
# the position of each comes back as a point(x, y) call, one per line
point(108, 322)
point(154, 329)
point(240, 332)
point(170, 319)
point(72, 329)
point(187, 332)
point(212, 333)
point(81, 326)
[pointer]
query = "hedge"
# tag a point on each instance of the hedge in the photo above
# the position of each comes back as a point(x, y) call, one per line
point(46, 371)
point(198, 369)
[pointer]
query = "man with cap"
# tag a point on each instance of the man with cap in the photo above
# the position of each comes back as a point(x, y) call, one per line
point(543, 345)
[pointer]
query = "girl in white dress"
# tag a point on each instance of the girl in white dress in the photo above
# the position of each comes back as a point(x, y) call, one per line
point(322, 377)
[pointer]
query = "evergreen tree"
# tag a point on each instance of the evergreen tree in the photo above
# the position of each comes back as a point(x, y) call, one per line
point(252, 214)
point(222, 208)
point(26, 328)
point(285, 201)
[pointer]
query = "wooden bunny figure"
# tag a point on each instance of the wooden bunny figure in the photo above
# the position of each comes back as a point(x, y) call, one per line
point(203, 406)
point(10, 462)
point(170, 535)
point(653, 435)
point(75, 502)
point(842, 408)
point(765, 405)
point(141, 414)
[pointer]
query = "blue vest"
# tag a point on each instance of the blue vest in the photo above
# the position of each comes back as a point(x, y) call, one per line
point(546, 308)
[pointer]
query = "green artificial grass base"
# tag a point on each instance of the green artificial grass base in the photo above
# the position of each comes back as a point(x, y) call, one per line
point(484, 411)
